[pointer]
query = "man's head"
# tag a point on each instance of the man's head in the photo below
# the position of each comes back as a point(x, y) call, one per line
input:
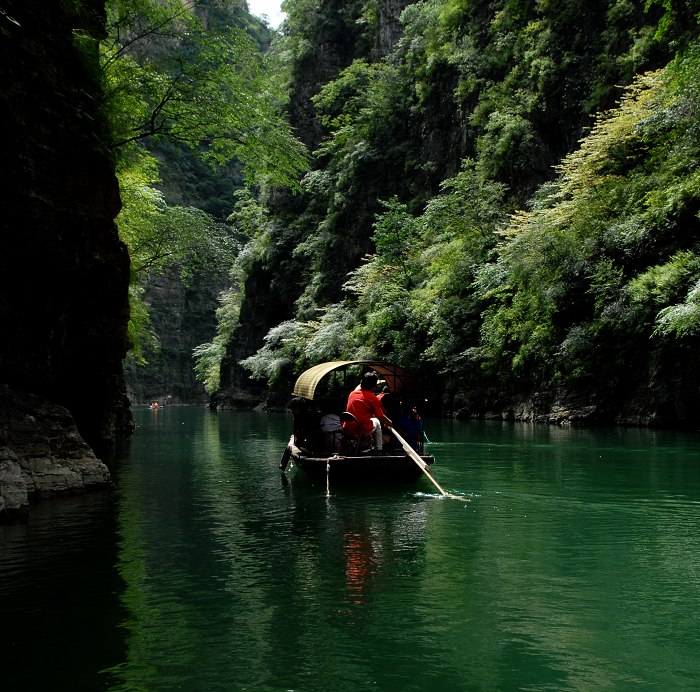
point(369, 381)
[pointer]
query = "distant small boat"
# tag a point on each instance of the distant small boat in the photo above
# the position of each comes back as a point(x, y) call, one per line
point(333, 456)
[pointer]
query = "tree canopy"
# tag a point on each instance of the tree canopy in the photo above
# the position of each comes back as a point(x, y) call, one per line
point(182, 71)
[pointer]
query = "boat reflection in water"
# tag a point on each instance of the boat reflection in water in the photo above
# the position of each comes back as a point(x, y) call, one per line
point(367, 538)
point(357, 571)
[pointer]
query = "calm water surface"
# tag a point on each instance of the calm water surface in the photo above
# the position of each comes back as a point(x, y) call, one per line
point(576, 566)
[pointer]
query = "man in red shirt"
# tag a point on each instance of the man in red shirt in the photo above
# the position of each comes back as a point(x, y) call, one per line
point(368, 411)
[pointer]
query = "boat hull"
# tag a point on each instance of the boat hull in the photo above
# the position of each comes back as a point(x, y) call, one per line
point(396, 468)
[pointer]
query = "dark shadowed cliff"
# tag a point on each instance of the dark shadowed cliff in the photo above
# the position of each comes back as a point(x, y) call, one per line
point(63, 271)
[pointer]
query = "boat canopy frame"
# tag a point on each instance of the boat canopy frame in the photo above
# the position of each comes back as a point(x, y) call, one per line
point(396, 378)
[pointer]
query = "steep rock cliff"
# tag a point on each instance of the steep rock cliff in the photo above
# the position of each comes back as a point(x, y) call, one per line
point(63, 271)
point(182, 316)
point(389, 28)
point(328, 40)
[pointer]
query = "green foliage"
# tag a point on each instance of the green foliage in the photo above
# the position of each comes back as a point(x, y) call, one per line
point(414, 299)
point(381, 308)
point(458, 229)
point(395, 236)
point(190, 75)
point(578, 287)
point(528, 74)
point(310, 23)
point(248, 216)
point(208, 356)
point(365, 110)
point(562, 250)
point(279, 352)
point(167, 76)
point(293, 346)
point(682, 319)
point(187, 180)
point(139, 332)
point(664, 284)
point(332, 336)
point(249, 221)
point(159, 235)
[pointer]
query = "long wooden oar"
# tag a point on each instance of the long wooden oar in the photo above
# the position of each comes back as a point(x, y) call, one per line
point(284, 461)
point(423, 466)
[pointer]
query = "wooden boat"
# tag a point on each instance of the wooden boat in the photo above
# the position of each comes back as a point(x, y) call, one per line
point(325, 387)
point(394, 466)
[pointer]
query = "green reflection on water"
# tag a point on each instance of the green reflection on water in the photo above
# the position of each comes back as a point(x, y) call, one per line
point(574, 567)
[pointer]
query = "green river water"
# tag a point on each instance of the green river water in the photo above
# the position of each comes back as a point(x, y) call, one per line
point(576, 566)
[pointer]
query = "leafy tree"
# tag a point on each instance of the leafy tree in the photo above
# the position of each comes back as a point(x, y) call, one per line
point(169, 75)
point(293, 346)
point(159, 235)
point(681, 319)
point(189, 74)
point(458, 231)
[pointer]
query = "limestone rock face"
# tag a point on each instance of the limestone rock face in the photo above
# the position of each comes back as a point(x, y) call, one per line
point(183, 317)
point(41, 452)
point(390, 28)
point(335, 45)
point(337, 37)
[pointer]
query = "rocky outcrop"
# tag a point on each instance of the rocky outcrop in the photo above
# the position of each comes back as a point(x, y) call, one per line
point(328, 44)
point(560, 408)
point(389, 28)
point(662, 401)
point(337, 34)
point(41, 452)
point(64, 273)
point(334, 32)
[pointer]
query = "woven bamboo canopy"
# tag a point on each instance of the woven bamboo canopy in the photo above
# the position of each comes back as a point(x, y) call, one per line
point(396, 378)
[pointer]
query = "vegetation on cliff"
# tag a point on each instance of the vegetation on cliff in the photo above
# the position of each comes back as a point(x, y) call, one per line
point(193, 115)
point(488, 203)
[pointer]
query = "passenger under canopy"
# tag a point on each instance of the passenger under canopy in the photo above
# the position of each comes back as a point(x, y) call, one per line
point(396, 378)
point(323, 450)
